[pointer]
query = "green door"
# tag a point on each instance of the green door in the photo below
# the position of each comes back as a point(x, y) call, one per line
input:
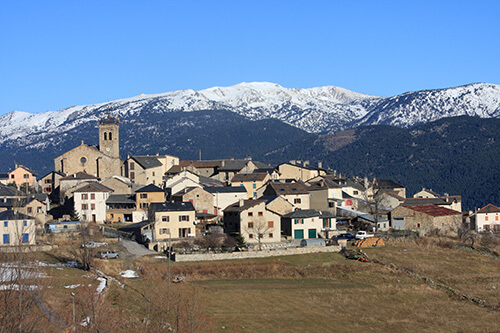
point(312, 233)
point(298, 234)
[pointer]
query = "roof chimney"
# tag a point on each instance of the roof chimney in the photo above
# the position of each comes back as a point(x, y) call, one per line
point(242, 202)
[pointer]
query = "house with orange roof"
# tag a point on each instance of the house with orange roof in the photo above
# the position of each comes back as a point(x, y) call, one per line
point(425, 219)
point(487, 219)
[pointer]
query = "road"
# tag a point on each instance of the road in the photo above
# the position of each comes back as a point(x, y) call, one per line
point(131, 250)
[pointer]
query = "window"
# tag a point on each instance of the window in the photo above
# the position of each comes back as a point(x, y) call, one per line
point(164, 231)
point(486, 218)
point(254, 185)
point(154, 174)
point(164, 218)
point(92, 196)
point(132, 166)
point(26, 176)
point(270, 224)
point(6, 224)
point(250, 236)
point(110, 136)
point(295, 221)
point(260, 214)
point(144, 195)
point(105, 136)
point(12, 176)
point(355, 192)
point(496, 218)
point(6, 239)
point(271, 235)
point(331, 204)
point(85, 206)
point(418, 225)
point(25, 223)
point(48, 181)
point(30, 210)
point(250, 214)
point(132, 175)
point(297, 200)
point(183, 218)
point(85, 196)
point(92, 206)
point(250, 225)
point(26, 238)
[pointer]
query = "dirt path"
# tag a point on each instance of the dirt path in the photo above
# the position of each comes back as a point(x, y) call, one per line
point(131, 250)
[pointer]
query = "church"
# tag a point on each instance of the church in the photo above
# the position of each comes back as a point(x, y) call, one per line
point(102, 161)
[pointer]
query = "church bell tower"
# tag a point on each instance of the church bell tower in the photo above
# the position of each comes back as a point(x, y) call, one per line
point(109, 136)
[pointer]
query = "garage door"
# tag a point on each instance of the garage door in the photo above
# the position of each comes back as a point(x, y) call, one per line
point(298, 234)
point(312, 233)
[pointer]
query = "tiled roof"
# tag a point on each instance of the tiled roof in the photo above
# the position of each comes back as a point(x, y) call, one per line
point(150, 188)
point(147, 162)
point(94, 187)
point(8, 191)
point(172, 206)
point(225, 189)
point(387, 183)
point(288, 188)
point(489, 208)
point(201, 164)
point(432, 210)
point(9, 215)
point(246, 205)
point(308, 213)
point(249, 177)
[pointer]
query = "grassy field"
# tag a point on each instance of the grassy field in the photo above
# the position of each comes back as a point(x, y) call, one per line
point(301, 293)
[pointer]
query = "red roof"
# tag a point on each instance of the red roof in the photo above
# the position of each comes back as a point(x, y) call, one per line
point(432, 210)
point(489, 208)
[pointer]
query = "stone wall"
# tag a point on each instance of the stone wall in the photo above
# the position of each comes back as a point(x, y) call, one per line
point(255, 254)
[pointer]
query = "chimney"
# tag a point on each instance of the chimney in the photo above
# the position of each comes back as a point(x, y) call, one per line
point(242, 202)
point(306, 164)
point(320, 165)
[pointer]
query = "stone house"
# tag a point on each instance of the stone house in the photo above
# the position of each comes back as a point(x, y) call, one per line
point(308, 223)
point(119, 184)
point(487, 219)
point(70, 181)
point(230, 168)
point(17, 229)
point(426, 219)
point(252, 219)
point(100, 161)
point(90, 202)
point(251, 182)
point(202, 200)
point(50, 182)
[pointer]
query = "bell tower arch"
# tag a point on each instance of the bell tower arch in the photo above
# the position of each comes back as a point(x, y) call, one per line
point(109, 135)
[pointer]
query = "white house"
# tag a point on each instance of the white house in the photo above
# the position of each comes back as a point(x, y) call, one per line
point(90, 202)
point(488, 218)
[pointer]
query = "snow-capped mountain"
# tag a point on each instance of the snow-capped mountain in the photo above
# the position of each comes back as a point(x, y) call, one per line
point(315, 110)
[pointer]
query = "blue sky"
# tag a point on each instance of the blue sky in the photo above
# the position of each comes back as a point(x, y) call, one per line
point(55, 54)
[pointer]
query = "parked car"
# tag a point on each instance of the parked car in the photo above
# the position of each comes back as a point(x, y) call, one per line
point(363, 234)
point(94, 244)
point(345, 235)
point(108, 254)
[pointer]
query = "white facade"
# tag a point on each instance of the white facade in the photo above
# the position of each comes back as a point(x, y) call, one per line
point(91, 206)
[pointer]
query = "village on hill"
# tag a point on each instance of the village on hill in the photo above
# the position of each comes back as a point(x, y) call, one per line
point(159, 200)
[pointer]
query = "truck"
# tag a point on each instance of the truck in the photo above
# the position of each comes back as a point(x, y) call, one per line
point(363, 234)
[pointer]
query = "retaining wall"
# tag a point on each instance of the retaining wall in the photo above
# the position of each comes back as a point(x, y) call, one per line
point(254, 254)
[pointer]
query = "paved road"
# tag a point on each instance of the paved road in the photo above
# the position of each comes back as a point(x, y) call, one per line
point(133, 250)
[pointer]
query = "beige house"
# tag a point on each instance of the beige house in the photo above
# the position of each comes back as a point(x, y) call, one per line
point(295, 193)
point(297, 172)
point(100, 161)
point(251, 182)
point(202, 200)
point(426, 193)
point(487, 219)
point(119, 184)
point(149, 169)
point(17, 229)
point(22, 175)
point(252, 220)
point(122, 208)
point(426, 218)
point(230, 168)
point(147, 195)
point(50, 182)
point(450, 202)
point(182, 180)
point(175, 220)
point(90, 202)
point(324, 194)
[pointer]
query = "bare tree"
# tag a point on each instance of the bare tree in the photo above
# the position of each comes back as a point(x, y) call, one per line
point(259, 227)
